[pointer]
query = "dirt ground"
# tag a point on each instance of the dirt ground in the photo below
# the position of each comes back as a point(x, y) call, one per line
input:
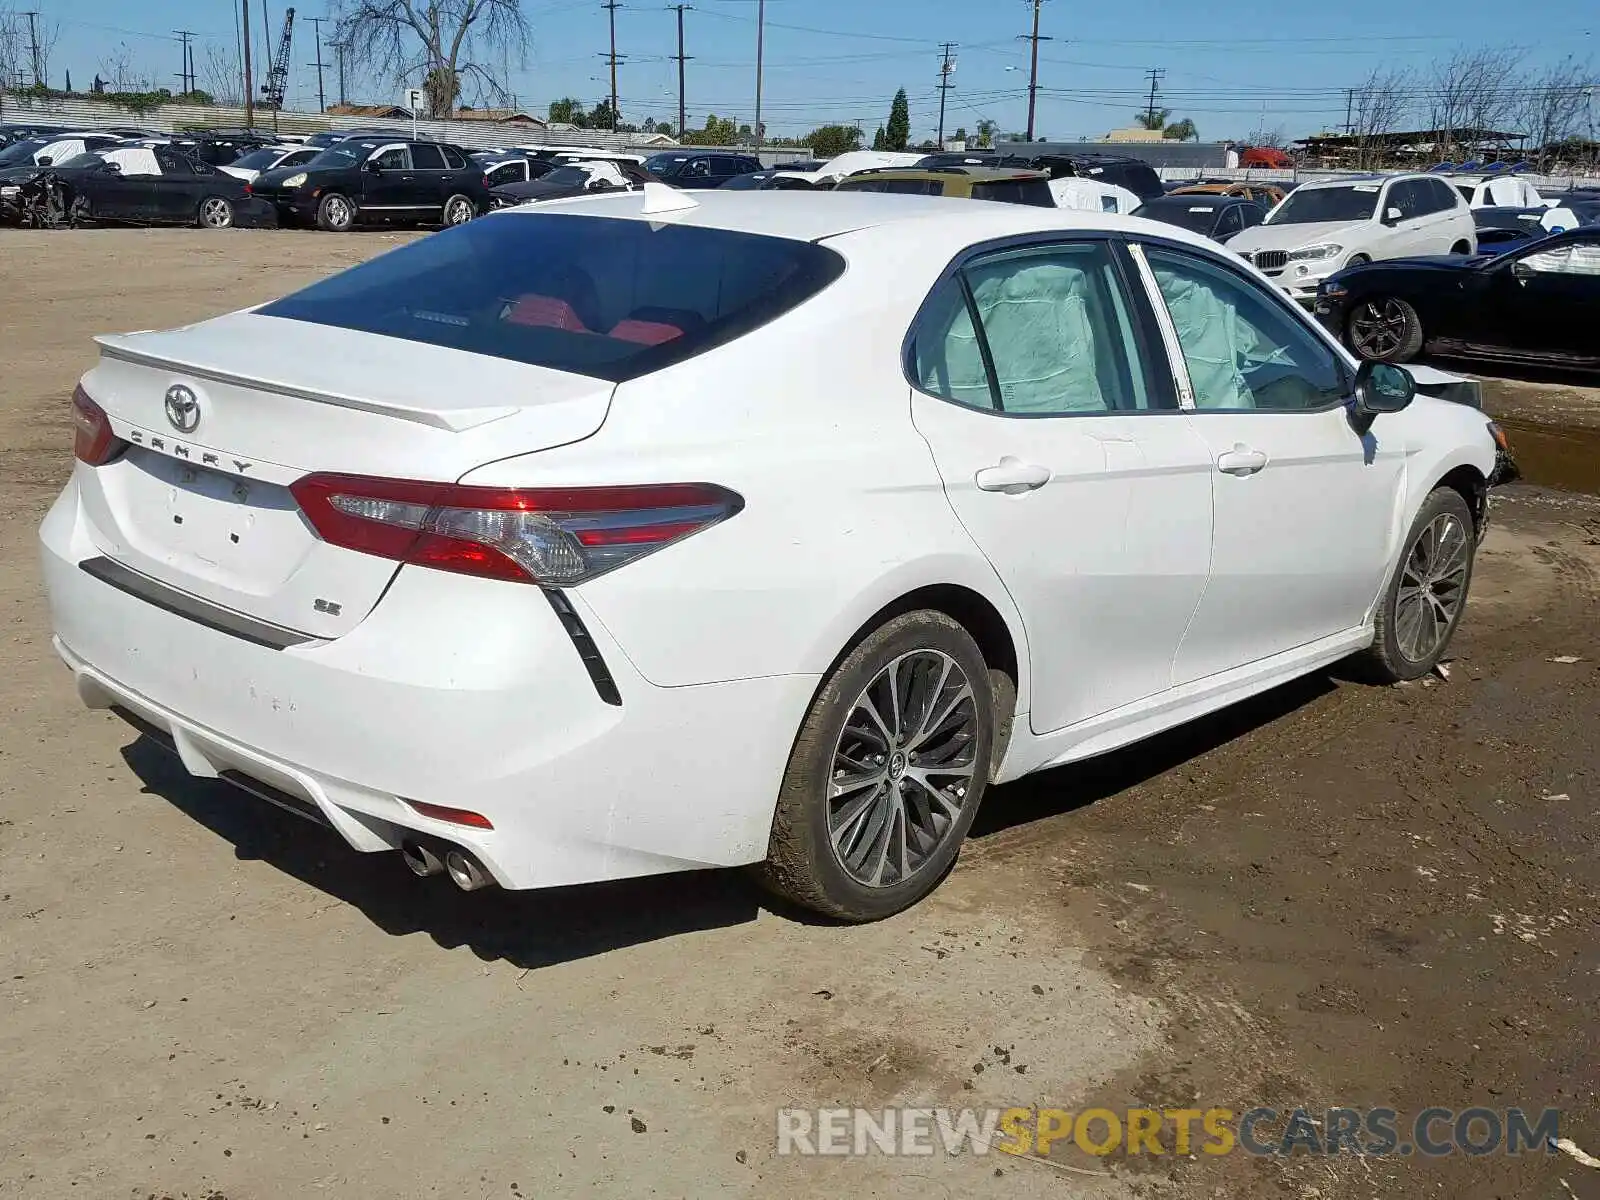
point(1334, 895)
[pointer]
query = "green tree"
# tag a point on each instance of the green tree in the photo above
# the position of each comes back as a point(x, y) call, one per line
point(898, 131)
point(602, 117)
point(880, 140)
point(1149, 119)
point(961, 133)
point(986, 131)
point(569, 111)
point(1182, 131)
point(830, 141)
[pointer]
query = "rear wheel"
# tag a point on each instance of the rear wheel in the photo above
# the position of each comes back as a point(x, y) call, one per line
point(886, 774)
point(216, 212)
point(1461, 248)
point(1424, 601)
point(1385, 329)
point(458, 210)
point(335, 213)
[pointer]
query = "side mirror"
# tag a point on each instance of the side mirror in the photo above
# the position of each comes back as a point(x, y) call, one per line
point(1380, 388)
point(43, 162)
point(371, 166)
point(112, 169)
point(1392, 216)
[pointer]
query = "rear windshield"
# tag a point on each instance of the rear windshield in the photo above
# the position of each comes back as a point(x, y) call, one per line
point(900, 187)
point(612, 299)
point(1016, 191)
point(1197, 218)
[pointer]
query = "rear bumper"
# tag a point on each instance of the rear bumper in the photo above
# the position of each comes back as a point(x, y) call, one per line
point(457, 692)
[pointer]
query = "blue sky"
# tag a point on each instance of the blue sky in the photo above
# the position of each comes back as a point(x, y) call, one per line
point(1232, 69)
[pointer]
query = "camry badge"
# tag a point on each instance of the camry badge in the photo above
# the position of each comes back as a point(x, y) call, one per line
point(183, 409)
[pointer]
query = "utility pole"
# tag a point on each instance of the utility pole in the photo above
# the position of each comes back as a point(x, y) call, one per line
point(322, 99)
point(611, 7)
point(680, 9)
point(1033, 72)
point(185, 81)
point(1156, 75)
point(339, 52)
point(33, 44)
point(761, 32)
point(946, 69)
point(249, 85)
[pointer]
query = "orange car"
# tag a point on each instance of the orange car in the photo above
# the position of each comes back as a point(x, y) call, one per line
point(1264, 193)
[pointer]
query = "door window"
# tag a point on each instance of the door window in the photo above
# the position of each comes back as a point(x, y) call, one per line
point(506, 173)
point(725, 168)
point(173, 164)
point(426, 158)
point(1576, 258)
point(1229, 222)
point(1444, 197)
point(395, 158)
point(1244, 349)
point(453, 159)
point(1036, 332)
point(1403, 196)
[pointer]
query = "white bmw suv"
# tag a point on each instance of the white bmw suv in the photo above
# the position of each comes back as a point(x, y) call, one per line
point(1326, 226)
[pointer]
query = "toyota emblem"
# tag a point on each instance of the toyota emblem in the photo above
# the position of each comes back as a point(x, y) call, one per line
point(183, 409)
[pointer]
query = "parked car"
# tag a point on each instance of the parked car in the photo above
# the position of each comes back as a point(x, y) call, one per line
point(1073, 191)
point(699, 169)
point(502, 168)
point(499, 555)
point(143, 185)
point(1585, 205)
point(574, 179)
point(1265, 194)
point(1220, 218)
point(961, 183)
point(1502, 229)
point(25, 161)
point(377, 181)
point(333, 137)
point(269, 158)
point(1137, 176)
point(1495, 191)
point(1538, 304)
point(776, 180)
point(1327, 225)
point(1265, 156)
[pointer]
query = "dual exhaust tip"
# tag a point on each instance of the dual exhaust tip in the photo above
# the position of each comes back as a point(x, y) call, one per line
point(425, 861)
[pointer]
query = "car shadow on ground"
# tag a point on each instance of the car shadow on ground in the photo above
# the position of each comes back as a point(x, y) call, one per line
point(555, 925)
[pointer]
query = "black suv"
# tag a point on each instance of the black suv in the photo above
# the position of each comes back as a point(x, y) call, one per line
point(370, 180)
point(688, 169)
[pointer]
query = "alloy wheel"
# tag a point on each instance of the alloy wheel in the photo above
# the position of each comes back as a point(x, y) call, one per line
point(1432, 588)
point(1378, 327)
point(459, 213)
point(338, 211)
point(902, 768)
point(216, 213)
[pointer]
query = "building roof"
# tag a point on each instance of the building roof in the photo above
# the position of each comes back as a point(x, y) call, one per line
point(389, 111)
point(1342, 141)
point(504, 116)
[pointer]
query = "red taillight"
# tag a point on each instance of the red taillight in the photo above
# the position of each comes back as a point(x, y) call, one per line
point(92, 439)
point(550, 536)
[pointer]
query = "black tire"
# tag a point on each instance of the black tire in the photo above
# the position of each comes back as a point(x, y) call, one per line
point(1359, 260)
point(1393, 656)
point(458, 210)
point(803, 865)
point(1385, 329)
point(215, 212)
point(336, 213)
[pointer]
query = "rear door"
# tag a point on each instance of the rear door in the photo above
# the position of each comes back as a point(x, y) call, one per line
point(390, 192)
point(1066, 459)
point(431, 179)
point(175, 193)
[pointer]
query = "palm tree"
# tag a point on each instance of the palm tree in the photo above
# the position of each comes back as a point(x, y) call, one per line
point(1153, 118)
point(1182, 131)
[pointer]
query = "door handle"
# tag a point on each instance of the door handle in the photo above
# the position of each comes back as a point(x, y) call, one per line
point(1241, 460)
point(1012, 476)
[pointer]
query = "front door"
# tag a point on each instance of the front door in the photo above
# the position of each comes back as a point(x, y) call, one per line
point(1065, 458)
point(175, 193)
point(1305, 509)
point(388, 193)
point(1548, 301)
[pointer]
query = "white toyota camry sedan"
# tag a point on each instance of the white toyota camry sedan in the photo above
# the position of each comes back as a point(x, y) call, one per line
point(653, 532)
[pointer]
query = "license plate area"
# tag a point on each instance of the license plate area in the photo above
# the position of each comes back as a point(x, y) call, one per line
point(216, 516)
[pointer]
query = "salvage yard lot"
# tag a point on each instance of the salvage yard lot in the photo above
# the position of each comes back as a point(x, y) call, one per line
point(1336, 895)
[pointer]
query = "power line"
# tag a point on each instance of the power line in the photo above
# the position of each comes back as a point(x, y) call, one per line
point(1033, 71)
point(946, 67)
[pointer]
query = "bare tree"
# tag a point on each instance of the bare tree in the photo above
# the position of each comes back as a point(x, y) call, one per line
point(13, 47)
point(1475, 90)
point(117, 68)
point(1378, 108)
point(1553, 105)
point(437, 42)
point(221, 74)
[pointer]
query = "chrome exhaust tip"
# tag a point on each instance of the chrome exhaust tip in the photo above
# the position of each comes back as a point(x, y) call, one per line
point(465, 872)
point(420, 861)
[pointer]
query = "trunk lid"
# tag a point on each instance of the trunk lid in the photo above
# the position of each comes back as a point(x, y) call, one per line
point(200, 500)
